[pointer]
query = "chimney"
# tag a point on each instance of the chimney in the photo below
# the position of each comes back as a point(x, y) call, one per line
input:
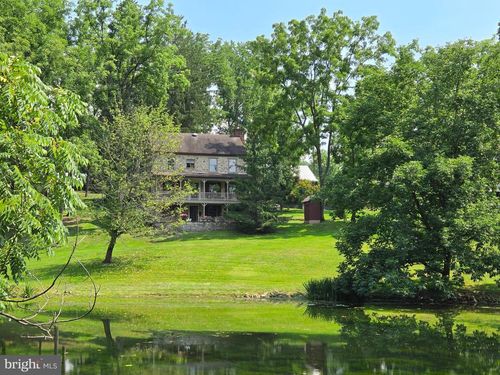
point(240, 133)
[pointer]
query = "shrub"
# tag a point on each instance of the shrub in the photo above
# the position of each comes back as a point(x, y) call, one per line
point(321, 290)
point(254, 218)
point(338, 289)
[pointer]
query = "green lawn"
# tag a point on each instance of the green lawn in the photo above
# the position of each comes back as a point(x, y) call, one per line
point(188, 282)
point(216, 264)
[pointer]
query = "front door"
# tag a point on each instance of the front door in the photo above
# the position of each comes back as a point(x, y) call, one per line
point(193, 213)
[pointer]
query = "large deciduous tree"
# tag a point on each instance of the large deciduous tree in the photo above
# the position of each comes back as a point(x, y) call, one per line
point(314, 65)
point(192, 106)
point(37, 31)
point(271, 152)
point(235, 85)
point(131, 147)
point(271, 178)
point(126, 55)
point(428, 130)
point(39, 170)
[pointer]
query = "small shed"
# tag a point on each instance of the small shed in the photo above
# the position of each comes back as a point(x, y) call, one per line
point(312, 210)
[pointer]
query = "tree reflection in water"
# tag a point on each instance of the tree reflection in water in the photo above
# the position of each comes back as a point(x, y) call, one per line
point(404, 344)
point(367, 343)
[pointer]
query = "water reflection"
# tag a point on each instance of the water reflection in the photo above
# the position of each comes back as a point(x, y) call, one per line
point(367, 343)
point(403, 344)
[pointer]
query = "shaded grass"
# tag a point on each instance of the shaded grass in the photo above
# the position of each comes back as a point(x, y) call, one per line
point(218, 264)
point(222, 263)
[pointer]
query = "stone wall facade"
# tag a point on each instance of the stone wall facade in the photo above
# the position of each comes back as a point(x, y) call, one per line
point(206, 226)
point(201, 163)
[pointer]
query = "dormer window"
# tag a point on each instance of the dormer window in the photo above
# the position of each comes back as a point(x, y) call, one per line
point(212, 165)
point(190, 164)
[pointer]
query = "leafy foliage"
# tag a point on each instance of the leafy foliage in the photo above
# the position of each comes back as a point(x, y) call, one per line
point(270, 156)
point(426, 134)
point(312, 64)
point(258, 210)
point(302, 189)
point(39, 170)
point(131, 146)
point(192, 105)
point(125, 55)
point(37, 32)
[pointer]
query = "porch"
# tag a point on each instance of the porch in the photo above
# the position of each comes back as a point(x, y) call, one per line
point(211, 191)
point(205, 213)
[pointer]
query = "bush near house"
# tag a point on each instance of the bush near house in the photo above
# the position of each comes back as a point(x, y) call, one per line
point(301, 190)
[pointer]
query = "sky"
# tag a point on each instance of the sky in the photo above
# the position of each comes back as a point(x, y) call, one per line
point(432, 22)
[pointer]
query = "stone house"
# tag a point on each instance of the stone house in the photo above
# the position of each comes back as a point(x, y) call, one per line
point(209, 163)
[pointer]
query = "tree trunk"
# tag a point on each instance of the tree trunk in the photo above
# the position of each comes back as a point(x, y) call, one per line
point(87, 183)
point(106, 323)
point(445, 273)
point(319, 162)
point(353, 216)
point(56, 339)
point(110, 342)
point(111, 246)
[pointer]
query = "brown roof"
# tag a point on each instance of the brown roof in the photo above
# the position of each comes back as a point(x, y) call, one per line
point(211, 144)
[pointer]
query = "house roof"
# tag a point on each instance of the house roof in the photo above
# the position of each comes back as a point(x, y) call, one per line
point(305, 173)
point(210, 144)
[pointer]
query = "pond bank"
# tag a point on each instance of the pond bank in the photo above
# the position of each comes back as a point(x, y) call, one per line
point(471, 298)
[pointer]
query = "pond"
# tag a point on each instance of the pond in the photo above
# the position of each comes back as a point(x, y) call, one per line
point(242, 337)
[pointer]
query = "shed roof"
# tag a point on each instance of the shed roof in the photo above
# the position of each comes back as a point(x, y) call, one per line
point(210, 144)
point(310, 199)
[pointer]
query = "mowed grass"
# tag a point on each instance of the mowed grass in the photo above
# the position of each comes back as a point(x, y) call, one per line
point(199, 265)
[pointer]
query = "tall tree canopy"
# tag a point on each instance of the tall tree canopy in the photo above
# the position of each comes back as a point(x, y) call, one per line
point(314, 64)
point(126, 55)
point(37, 30)
point(270, 155)
point(125, 58)
point(193, 105)
point(234, 83)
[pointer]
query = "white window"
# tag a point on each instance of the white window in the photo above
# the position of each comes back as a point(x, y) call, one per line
point(231, 166)
point(190, 163)
point(212, 165)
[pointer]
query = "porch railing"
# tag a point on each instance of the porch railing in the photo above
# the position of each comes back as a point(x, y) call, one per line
point(208, 196)
point(225, 196)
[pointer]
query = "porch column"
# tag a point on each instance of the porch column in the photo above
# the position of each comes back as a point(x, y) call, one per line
point(203, 194)
point(199, 190)
point(204, 205)
point(227, 189)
